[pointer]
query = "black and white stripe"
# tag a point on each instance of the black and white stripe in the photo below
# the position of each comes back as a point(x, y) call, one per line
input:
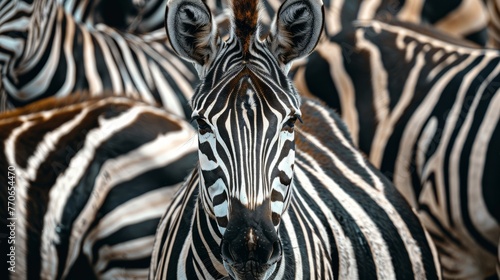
point(45, 52)
point(272, 199)
point(467, 19)
point(426, 112)
point(344, 221)
point(93, 177)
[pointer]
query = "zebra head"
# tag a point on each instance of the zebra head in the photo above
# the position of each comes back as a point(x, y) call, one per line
point(245, 107)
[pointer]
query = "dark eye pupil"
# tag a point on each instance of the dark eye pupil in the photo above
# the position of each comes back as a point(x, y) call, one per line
point(290, 124)
point(203, 127)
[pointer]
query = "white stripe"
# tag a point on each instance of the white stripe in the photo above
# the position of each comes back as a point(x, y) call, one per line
point(469, 17)
point(368, 9)
point(111, 65)
point(63, 187)
point(129, 250)
point(386, 125)
point(89, 62)
point(332, 53)
point(483, 221)
point(411, 11)
point(70, 77)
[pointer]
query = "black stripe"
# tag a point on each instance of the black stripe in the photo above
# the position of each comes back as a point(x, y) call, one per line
point(101, 66)
point(201, 251)
point(31, 138)
point(433, 11)
point(145, 129)
point(466, 153)
point(364, 255)
point(176, 240)
point(135, 231)
point(55, 164)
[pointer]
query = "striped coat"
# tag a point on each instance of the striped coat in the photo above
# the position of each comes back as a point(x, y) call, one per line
point(92, 177)
point(426, 112)
point(345, 219)
point(45, 52)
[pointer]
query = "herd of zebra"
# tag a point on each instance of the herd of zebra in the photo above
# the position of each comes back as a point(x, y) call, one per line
point(250, 139)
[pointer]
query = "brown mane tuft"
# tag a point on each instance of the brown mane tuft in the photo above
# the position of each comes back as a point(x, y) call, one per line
point(246, 14)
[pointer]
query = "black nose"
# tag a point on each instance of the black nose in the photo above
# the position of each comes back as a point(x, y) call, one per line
point(261, 251)
point(250, 239)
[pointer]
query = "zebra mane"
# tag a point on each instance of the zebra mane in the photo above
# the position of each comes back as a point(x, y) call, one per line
point(246, 20)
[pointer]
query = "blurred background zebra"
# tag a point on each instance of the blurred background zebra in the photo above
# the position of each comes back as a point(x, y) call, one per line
point(92, 178)
point(425, 109)
point(45, 52)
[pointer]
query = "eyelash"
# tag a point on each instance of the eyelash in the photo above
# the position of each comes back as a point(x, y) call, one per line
point(203, 126)
point(290, 123)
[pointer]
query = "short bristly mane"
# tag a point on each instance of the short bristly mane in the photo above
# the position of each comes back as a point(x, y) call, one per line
point(246, 15)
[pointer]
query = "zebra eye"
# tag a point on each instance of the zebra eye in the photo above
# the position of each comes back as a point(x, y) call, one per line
point(289, 124)
point(203, 126)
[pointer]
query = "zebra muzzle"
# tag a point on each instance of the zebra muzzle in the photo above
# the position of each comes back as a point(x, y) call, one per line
point(251, 247)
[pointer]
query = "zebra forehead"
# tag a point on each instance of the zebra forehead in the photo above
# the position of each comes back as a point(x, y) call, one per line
point(247, 91)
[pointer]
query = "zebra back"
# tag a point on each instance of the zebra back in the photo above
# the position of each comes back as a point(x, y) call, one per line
point(91, 179)
point(426, 112)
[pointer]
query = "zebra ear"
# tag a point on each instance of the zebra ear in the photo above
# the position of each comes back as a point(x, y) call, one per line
point(296, 29)
point(191, 30)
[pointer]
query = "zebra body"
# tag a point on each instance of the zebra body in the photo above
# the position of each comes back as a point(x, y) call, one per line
point(93, 176)
point(426, 112)
point(45, 52)
point(272, 199)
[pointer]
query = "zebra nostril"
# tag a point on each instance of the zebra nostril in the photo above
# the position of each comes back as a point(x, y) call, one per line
point(276, 253)
point(226, 254)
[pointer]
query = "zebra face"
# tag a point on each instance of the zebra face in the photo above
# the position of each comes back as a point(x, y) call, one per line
point(246, 146)
point(246, 109)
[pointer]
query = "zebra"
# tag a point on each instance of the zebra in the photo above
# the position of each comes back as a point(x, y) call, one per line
point(425, 110)
point(257, 207)
point(45, 52)
point(99, 58)
point(92, 176)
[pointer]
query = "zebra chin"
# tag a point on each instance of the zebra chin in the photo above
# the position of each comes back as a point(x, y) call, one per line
point(250, 247)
